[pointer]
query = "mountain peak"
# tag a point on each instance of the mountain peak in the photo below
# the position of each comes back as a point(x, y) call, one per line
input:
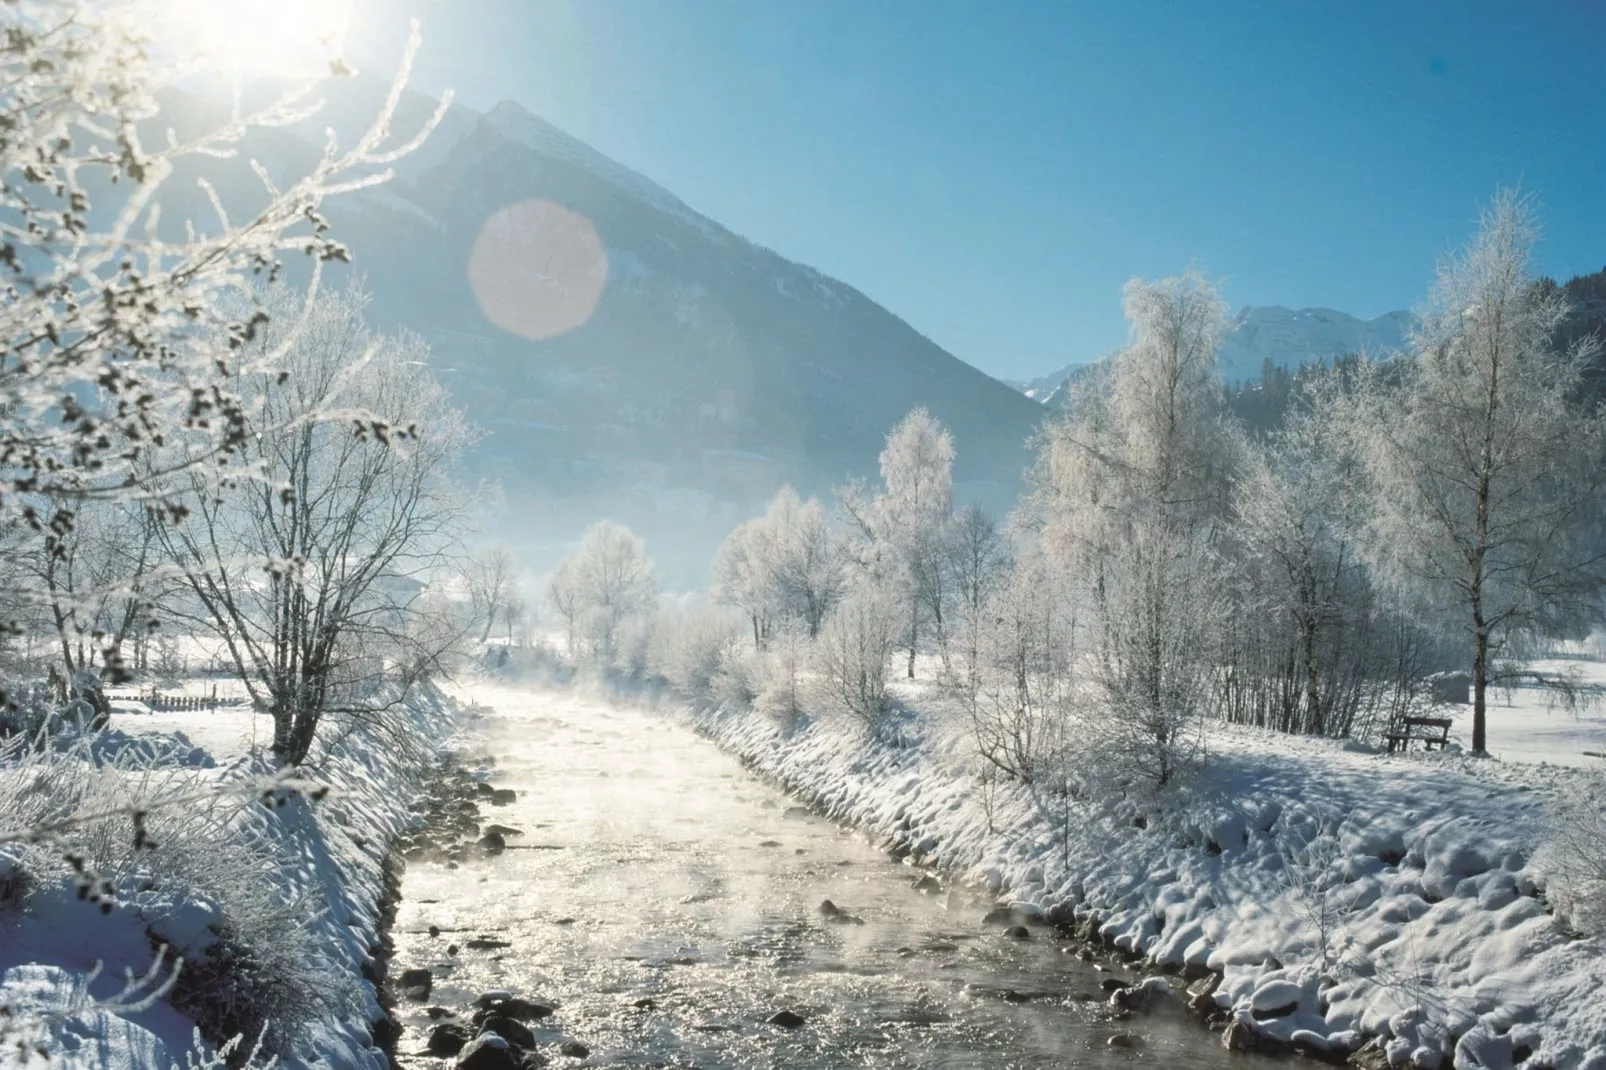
point(516, 123)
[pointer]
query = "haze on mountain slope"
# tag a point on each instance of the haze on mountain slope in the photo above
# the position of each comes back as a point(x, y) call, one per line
point(707, 372)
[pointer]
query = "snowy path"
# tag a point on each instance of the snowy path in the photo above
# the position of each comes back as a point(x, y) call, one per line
point(653, 867)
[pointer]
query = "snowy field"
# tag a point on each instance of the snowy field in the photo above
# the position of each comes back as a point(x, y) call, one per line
point(1341, 893)
point(1527, 725)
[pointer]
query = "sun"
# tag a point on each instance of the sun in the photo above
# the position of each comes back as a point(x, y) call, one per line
point(266, 36)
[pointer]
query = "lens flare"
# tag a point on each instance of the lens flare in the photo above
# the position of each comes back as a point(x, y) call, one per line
point(538, 269)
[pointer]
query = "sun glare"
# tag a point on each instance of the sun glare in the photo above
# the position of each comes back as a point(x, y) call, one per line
point(270, 36)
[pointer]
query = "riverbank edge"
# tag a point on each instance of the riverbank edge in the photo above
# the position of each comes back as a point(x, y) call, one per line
point(401, 788)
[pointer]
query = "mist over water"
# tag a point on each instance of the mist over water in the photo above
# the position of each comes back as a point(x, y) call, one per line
point(653, 867)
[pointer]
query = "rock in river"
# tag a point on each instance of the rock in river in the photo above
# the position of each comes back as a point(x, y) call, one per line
point(488, 1052)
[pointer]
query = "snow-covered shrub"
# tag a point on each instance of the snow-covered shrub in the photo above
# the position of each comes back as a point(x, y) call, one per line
point(851, 655)
point(633, 644)
point(1020, 680)
point(779, 692)
point(737, 680)
point(689, 649)
point(1312, 858)
point(190, 865)
point(1573, 856)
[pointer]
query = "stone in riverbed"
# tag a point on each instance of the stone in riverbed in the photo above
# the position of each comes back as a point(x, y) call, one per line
point(1018, 932)
point(492, 843)
point(1239, 1037)
point(488, 1052)
point(574, 1049)
point(837, 916)
point(503, 796)
point(1122, 1040)
point(514, 1032)
point(503, 830)
point(787, 1020)
point(415, 984)
point(447, 1039)
point(515, 1007)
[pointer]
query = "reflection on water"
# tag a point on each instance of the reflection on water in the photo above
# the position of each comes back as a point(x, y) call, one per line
point(668, 903)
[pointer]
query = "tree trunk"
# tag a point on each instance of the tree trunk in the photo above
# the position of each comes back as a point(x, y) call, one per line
point(1480, 686)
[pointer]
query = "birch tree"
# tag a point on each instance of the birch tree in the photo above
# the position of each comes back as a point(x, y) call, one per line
point(606, 581)
point(1489, 472)
point(897, 536)
point(1130, 493)
point(310, 572)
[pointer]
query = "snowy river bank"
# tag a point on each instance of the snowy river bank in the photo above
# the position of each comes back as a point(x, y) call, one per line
point(1347, 899)
point(665, 905)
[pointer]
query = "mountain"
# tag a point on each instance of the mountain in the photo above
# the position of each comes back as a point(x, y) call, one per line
point(1285, 337)
point(630, 357)
point(1290, 337)
point(1044, 387)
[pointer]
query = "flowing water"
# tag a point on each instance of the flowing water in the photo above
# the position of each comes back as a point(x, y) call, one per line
point(667, 902)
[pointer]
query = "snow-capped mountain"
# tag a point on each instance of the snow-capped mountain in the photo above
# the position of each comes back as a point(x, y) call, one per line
point(709, 372)
point(1287, 337)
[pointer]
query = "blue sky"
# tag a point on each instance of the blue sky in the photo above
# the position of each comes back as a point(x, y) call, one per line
point(993, 172)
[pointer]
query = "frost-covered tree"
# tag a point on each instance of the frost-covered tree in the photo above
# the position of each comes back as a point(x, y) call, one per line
point(852, 653)
point(1022, 682)
point(606, 581)
point(780, 568)
point(898, 536)
point(978, 562)
point(1488, 471)
point(743, 576)
point(492, 581)
point(121, 332)
point(101, 580)
point(565, 593)
point(351, 527)
point(1131, 490)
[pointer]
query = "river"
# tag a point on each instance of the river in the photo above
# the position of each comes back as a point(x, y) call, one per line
point(667, 902)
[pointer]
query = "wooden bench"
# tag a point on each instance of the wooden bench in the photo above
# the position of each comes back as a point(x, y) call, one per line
point(1429, 731)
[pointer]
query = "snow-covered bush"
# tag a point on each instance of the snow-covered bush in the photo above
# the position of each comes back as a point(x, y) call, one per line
point(185, 865)
point(779, 689)
point(851, 657)
point(689, 649)
point(1022, 675)
point(633, 646)
point(1573, 855)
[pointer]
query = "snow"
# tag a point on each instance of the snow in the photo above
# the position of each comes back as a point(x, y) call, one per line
point(1526, 724)
point(1288, 337)
point(1437, 929)
point(331, 854)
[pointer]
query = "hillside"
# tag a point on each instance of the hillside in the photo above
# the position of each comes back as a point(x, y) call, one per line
point(709, 371)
